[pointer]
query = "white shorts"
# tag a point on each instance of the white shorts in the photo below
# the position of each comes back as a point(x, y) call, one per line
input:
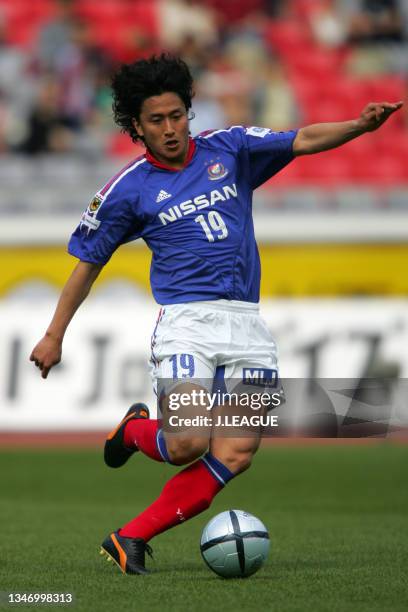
point(218, 342)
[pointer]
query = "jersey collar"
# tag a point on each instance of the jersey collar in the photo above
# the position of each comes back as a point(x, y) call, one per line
point(155, 162)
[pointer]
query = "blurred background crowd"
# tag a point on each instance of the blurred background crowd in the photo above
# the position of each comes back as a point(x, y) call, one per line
point(273, 63)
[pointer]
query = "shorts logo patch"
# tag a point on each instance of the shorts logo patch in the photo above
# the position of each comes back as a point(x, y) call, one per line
point(260, 132)
point(260, 377)
point(96, 202)
point(216, 171)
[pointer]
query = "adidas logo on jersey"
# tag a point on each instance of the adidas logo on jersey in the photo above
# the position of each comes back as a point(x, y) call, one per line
point(163, 195)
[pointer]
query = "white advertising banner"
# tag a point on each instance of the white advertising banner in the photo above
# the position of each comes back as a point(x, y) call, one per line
point(105, 355)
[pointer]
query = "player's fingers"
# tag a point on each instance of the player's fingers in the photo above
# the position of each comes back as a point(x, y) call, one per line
point(44, 372)
point(379, 111)
point(371, 114)
point(385, 109)
point(389, 105)
point(391, 108)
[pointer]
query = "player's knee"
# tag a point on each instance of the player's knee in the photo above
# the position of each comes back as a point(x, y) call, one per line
point(238, 462)
point(185, 450)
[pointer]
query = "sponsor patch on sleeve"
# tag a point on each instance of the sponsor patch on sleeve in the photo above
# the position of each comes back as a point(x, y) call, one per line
point(90, 222)
point(260, 132)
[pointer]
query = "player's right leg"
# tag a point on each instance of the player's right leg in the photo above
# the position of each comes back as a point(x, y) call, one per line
point(117, 452)
point(183, 365)
point(137, 431)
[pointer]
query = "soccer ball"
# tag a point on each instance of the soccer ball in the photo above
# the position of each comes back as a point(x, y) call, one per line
point(234, 544)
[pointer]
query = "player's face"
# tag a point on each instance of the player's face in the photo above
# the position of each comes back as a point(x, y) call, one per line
point(163, 123)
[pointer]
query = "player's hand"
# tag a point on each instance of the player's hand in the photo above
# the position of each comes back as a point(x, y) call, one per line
point(376, 113)
point(46, 354)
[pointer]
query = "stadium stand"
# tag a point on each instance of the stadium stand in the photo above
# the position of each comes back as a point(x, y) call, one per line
point(56, 57)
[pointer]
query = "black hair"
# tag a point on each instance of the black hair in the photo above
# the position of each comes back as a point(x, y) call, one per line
point(135, 82)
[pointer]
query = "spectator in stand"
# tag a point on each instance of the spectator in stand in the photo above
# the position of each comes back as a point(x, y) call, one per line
point(328, 24)
point(231, 88)
point(79, 68)
point(16, 90)
point(277, 105)
point(13, 61)
point(207, 106)
point(47, 131)
point(197, 55)
point(373, 21)
point(275, 8)
point(376, 30)
point(181, 18)
point(66, 51)
point(4, 115)
point(55, 34)
point(244, 44)
point(403, 11)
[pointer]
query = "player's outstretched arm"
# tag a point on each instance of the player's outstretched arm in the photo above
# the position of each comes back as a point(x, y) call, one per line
point(47, 353)
point(324, 136)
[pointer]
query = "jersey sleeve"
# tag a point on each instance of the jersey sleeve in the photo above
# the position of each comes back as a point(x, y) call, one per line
point(108, 222)
point(262, 151)
point(268, 152)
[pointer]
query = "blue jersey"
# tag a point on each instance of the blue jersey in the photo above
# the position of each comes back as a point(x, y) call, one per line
point(197, 221)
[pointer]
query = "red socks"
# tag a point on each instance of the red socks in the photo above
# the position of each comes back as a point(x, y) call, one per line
point(185, 495)
point(144, 433)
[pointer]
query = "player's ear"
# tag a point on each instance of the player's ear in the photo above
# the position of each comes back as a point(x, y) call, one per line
point(138, 127)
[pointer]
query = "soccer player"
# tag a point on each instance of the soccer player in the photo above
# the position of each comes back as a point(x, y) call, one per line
point(190, 200)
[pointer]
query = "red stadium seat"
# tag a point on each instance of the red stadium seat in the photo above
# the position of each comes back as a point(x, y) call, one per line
point(143, 15)
point(22, 33)
point(42, 10)
point(233, 10)
point(304, 9)
point(13, 9)
point(315, 63)
point(381, 170)
point(325, 168)
point(290, 175)
point(96, 9)
point(323, 110)
point(395, 145)
point(120, 145)
point(23, 10)
point(391, 88)
point(287, 37)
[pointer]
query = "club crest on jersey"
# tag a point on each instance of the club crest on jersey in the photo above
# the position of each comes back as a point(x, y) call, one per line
point(216, 171)
point(95, 204)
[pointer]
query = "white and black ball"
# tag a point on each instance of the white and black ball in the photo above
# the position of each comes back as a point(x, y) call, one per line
point(235, 544)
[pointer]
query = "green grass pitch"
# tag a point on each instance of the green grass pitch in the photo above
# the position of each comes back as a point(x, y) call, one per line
point(337, 517)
